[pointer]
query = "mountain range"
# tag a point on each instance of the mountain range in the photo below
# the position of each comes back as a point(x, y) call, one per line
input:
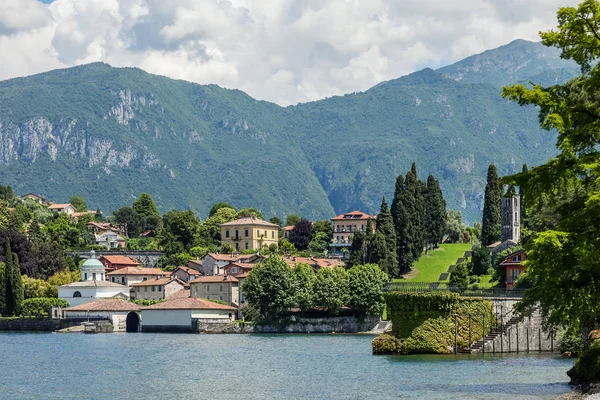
point(109, 134)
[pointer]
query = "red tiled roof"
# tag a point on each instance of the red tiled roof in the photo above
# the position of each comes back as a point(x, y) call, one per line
point(240, 265)
point(289, 228)
point(230, 257)
point(124, 260)
point(158, 282)
point(250, 221)
point(491, 246)
point(242, 276)
point(180, 294)
point(59, 206)
point(353, 216)
point(138, 271)
point(214, 279)
point(106, 305)
point(189, 303)
point(190, 271)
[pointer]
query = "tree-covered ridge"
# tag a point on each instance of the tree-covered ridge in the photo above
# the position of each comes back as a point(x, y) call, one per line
point(110, 134)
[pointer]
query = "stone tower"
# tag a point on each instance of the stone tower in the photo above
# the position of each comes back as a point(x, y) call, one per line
point(511, 223)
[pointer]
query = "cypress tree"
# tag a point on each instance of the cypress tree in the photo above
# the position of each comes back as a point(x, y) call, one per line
point(17, 285)
point(8, 280)
point(358, 250)
point(414, 211)
point(524, 221)
point(385, 226)
point(400, 218)
point(435, 213)
point(2, 289)
point(491, 221)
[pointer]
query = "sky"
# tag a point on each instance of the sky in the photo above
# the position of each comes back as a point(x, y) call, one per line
point(284, 51)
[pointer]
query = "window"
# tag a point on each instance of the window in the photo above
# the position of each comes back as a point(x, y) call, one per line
point(220, 288)
point(227, 233)
point(208, 288)
point(124, 279)
point(94, 276)
point(160, 288)
point(265, 233)
point(196, 291)
point(85, 276)
point(145, 278)
point(272, 234)
point(77, 294)
point(246, 245)
point(234, 270)
point(145, 288)
point(257, 233)
point(153, 288)
point(207, 297)
point(112, 279)
point(362, 228)
point(246, 232)
point(221, 298)
point(514, 274)
point(237, 247)
point(237, 234)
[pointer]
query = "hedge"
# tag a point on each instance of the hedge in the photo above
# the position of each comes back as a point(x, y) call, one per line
point(41, 305)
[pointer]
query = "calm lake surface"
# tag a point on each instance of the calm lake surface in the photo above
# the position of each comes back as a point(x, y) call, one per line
point(180, 366)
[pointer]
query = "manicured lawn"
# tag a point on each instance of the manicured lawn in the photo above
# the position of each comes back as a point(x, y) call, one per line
point(487, 283)
point(429, 267)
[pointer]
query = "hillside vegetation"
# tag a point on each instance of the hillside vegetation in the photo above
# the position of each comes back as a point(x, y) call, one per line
point(109, 134)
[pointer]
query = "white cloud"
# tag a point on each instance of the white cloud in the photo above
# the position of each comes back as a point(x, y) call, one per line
point(286, 51)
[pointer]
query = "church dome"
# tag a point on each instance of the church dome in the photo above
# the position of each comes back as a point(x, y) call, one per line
point(92, 262)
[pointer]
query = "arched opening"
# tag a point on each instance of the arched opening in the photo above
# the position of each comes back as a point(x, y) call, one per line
point(77, 294)
point(132, 323)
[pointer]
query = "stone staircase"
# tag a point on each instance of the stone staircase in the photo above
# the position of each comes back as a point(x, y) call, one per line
point(493, 335)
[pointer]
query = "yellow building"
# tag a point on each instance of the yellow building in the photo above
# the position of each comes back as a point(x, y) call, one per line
point(249, 233)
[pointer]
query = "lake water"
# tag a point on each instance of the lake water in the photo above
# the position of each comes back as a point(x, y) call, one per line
point(180, 366)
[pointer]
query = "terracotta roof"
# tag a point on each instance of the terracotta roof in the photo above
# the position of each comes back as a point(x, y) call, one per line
point(158, 282)
point(250, 221)
point(214, 279)
point(81, 214)
point(106, 305)
point(289, 228)
point(242, 276)
point(353, 216)
point(59, 206)
point(230, 257)
point(137, 271)
point(315, 262)
point(495, 244)
point(188, 303)
point(120, 260)
point(240, 265)
point(190, 271)
point(180, 294)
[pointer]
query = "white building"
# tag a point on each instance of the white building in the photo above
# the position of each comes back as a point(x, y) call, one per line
point(124, 315)
point(92, 285)
point(130, 275)
point(110, 240)
point(179, 314)
point(62, 208)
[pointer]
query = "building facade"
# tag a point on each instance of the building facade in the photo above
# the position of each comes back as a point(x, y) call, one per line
point(112, 263)
point(511, 223)
point(214, 263)
point(156, 289)
point(514, 267)
point(130, 275)
point(224, 288)
point(346, 225)
point(249, 233)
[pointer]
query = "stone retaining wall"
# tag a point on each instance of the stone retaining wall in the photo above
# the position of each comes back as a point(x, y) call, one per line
point(29, 324)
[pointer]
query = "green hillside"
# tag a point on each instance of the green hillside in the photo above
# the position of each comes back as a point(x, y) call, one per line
point(429, 267)
point(109, 134)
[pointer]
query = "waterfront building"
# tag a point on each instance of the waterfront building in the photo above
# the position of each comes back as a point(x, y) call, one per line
point(130, 275)
point(249, 233)
point(183, 314)
point(216, 287)
point(156, 289)
point(123, 314)
point(514, 267)
point(346, 225)
point(92, 285)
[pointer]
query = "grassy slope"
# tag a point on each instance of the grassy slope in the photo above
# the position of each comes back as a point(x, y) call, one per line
point(430, 266)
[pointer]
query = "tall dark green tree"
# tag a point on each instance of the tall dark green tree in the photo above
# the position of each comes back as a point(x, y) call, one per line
point(2, 288)
point(12, 281)
point(435, 212)
point(358, 250)
point(401, 224)
point(301, 235)
point(414, 210)
point(385, 226)
point(524, 221)
point(491, 221)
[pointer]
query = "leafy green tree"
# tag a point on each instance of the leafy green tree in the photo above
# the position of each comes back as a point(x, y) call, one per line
point(301, 235)
point(210, 229)
point(276, 220)
point(271, 288)
point(385, 227)
point(285, 247)
point(182, 226)
point(319, 243)
point(216, 207)
point(331, 289)
point(481, 260)
point(34, 288)
point(64, 231)
point(492, 220)
point(324, 226)
point(78, 203)
point(365, 289)
point(460, 275)
point(292, 220)
point(6, 193)
point(127, 217)
point(3, 288)
point(145, 209)
point(401, 223)
point(249, 212)
point(415, 210)
point(563, 256)
point(41, 306)
point(454, 226)
point(4, 214)
point(12, 281)
point(305, 278)
point(358, 250)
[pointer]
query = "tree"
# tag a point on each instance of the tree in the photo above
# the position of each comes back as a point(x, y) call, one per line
point(319, 243)
point(324, 226)
point(414, 204)
point(365, 288)
point(276, 220)
point(385, 226)
point(359, 249)
point(78, 203)
point(491, 221)
point(127, 216)
point(249, 212)
point(305, 278)
point(292, 220)
point(481, 260)
point(523, 210)
point(401, 223)
point(460, 275)
point(301, 235)
point(216, 207)
point(271, 288)
point(12, 281)
point(6, 193)
point(285, 247)
point(563, 256)
point(454, 226)
point(147, 212)
point(435, 212)
point(181, 226)
point(331, 289)
point(34, 288)
point(2, 288)
point(210, 229)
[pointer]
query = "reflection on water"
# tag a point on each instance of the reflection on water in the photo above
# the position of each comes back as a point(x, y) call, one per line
point(163, 366)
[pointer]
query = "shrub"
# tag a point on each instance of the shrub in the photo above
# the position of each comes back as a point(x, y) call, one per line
point(571, 342)
point(41, 305)
point(387, 344)
point(587, 367)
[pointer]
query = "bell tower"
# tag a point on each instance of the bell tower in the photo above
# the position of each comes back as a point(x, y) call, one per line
point(511, 222)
